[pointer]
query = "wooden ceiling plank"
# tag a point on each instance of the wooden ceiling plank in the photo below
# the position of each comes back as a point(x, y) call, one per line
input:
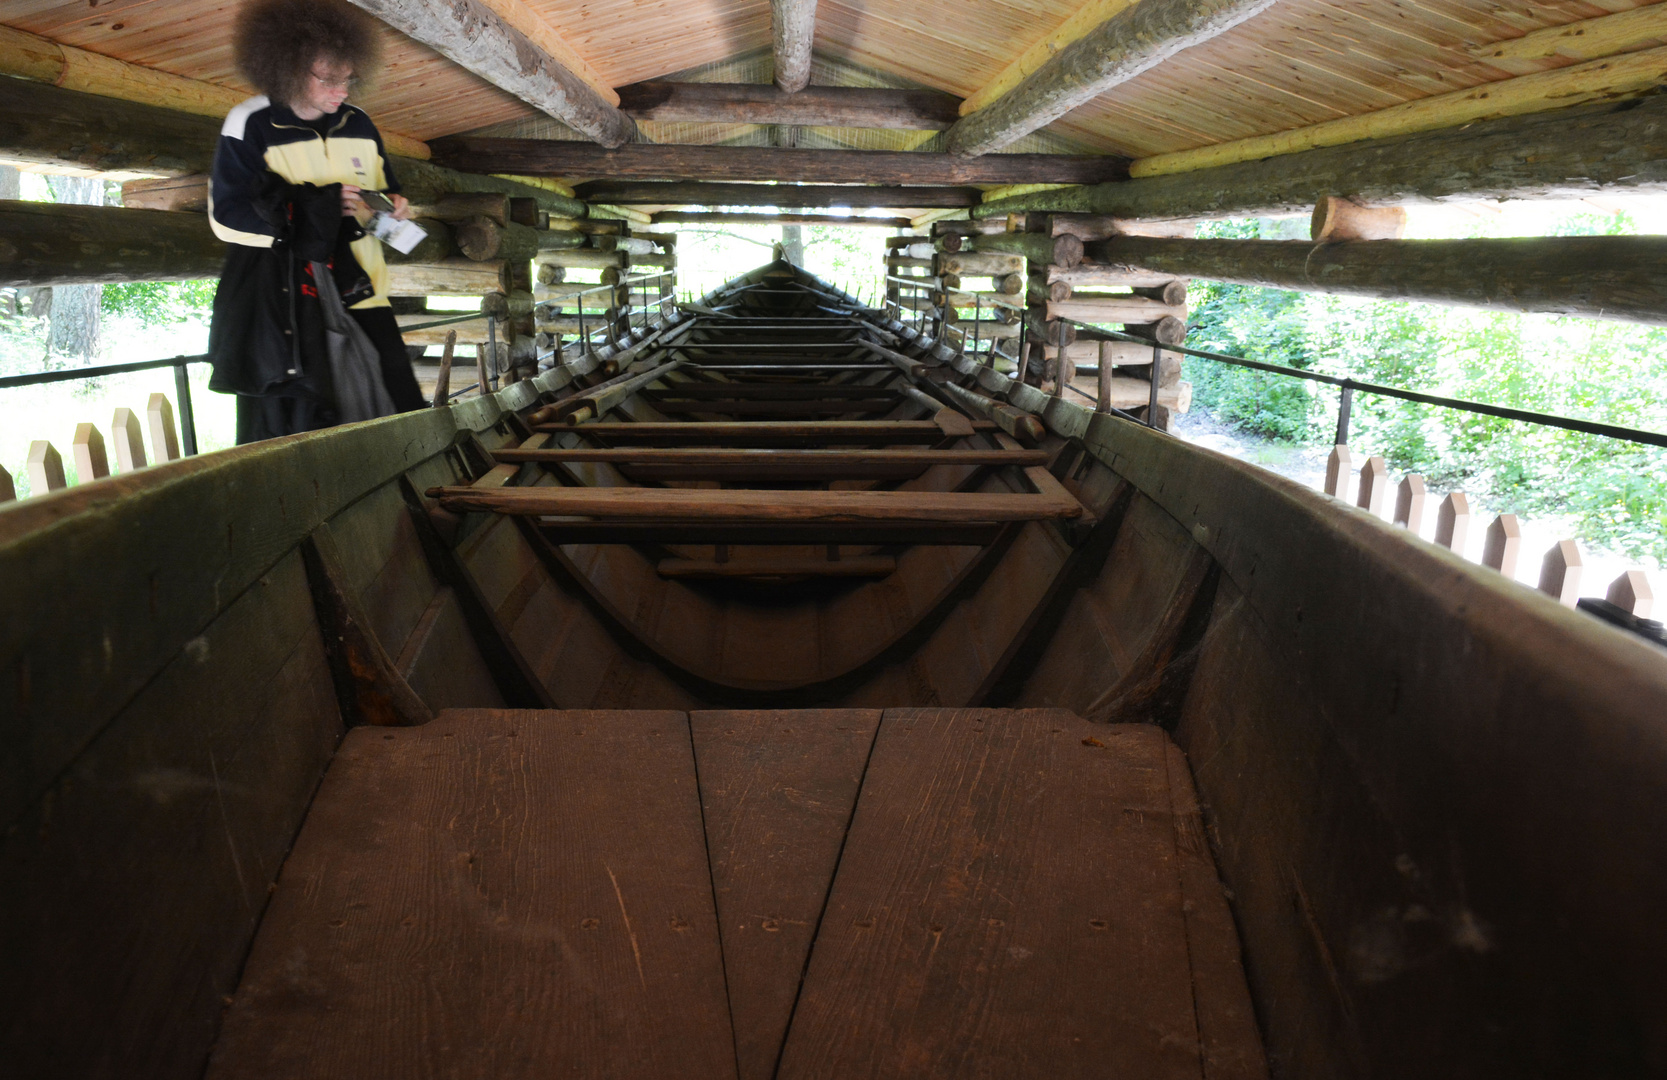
point(475, 36)
point(1125, 45)
point(793, 29)
point(641, 161)
point(815, 106)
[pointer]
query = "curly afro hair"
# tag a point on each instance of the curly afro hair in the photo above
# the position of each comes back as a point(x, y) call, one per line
point(276, 43)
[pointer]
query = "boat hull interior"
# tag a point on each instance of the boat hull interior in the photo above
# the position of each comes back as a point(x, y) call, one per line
point(485, 741)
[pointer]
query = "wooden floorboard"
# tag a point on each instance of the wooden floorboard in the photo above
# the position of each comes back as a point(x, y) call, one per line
point(778, 789)
point(1009, 903)
point(493, 894)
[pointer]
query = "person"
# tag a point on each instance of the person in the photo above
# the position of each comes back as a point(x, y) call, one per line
point(302, 329)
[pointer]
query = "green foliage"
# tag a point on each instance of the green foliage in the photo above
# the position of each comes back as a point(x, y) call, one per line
point(1612, 493)
point(156, 303)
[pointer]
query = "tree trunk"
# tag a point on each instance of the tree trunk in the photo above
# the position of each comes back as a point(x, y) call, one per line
point(74, 334)
point(793, 244)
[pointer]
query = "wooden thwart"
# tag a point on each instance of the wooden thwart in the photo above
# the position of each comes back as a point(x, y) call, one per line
point(674, 505)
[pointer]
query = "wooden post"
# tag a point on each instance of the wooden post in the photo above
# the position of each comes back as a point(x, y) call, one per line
point(442, 382)
point(164, 442)
point(45, 468)
point(480, 370)
point(1560, 572)
point(1108, 365)
point(1452, 522)
point(1374, 486)
point(91, 463)
point(1409, 502)
point(128, 435)
point(1337, 469)
point(1632, 592)
point(1502, 544)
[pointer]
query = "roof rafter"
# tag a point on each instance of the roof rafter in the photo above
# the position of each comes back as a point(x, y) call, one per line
point(1129, 42)
point(472, 34)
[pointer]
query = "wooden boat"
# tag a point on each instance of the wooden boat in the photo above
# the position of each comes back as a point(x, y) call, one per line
point(779, 695)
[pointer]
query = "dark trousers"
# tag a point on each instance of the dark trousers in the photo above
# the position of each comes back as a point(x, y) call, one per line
point(271, 415)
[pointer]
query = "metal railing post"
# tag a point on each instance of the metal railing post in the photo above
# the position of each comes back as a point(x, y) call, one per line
point(187, 418)
point(1345, 404)
point(1152, 397)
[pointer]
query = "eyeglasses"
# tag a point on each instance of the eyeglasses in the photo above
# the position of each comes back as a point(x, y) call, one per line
point(349, 83)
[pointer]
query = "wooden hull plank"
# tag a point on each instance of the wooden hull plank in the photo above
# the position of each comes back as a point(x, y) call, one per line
point(778, 789)
point(493, 894)
point(1010, 902)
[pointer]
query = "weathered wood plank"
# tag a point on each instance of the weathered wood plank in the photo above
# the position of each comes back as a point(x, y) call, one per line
point(493, 893)
point(1008, 903)
point(778, 789)
point(131, 890)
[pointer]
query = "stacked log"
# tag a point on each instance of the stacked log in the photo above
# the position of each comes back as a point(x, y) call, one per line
point(635, 276)
point(909, 276)
point(981, 289)
point(1077, 286)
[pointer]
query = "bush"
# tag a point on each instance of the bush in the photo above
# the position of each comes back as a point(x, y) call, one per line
point(1614, 493)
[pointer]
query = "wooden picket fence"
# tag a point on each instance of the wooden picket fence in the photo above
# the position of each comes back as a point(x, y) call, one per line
point(1560, 568)
point(91, 454)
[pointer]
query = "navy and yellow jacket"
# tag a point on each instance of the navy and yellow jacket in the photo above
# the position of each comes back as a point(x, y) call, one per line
point(259, 137)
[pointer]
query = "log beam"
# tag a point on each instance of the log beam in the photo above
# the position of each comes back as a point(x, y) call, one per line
point(1596, 80)
point(473, 35)
point(700, 217)
point(68, 129)
point(803, 196)
point(1133, 40)
point(792, 31)
point(1564, 154)
point(813, 106)
point(1612, 277)
point(29, 56)
point(670, 161)
point(67, 244)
